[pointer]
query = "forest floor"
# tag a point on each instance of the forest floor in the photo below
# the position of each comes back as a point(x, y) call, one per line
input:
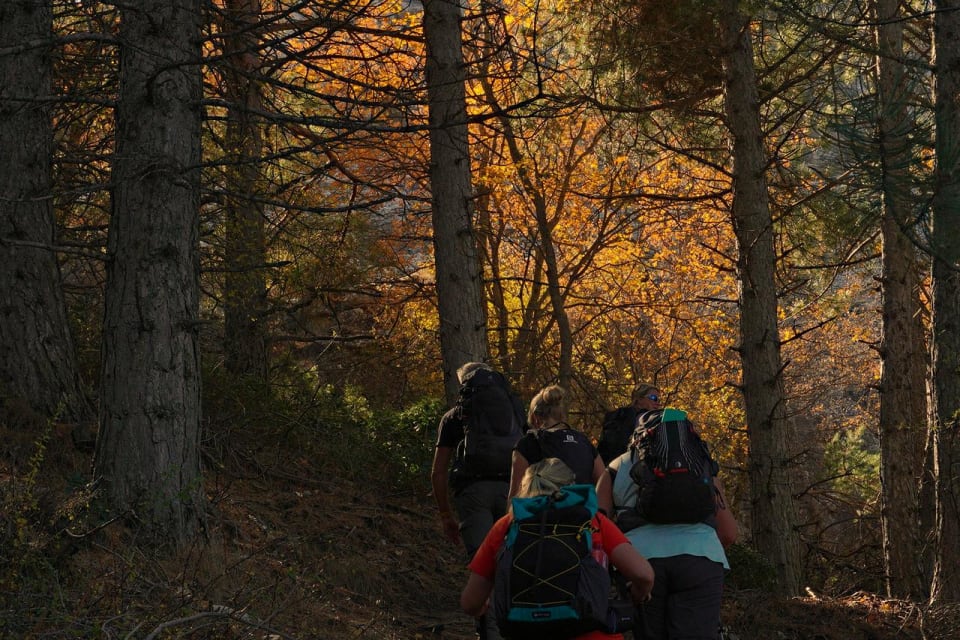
point(296, 550)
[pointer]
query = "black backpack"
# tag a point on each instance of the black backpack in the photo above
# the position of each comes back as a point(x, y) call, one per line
point(547, 584)
point(493, 421)
point(673, 470)
point(571, 446)
point(618, 426)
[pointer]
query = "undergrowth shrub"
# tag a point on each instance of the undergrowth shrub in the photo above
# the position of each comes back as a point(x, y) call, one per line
point(68, 570)
point(407, 437)
point(299, 422)
point(40, 505)
point(26, 574)
point(749, 569)
point(841, 531)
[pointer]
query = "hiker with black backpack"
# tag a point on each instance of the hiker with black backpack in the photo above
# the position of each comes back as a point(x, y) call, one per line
point(472, 459)
point(618, 425)
point(551, 437)
point(669, 503)
point(542, 570)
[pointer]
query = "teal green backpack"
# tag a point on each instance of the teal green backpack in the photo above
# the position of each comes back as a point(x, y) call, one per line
point(547, 584)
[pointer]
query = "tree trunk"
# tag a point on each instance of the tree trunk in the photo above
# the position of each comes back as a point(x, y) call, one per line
point(147, 454)
point(37, 360)
point(903, 357)
point(463, 321)
point(244, 294)
point(945, 243)
point(772, 511)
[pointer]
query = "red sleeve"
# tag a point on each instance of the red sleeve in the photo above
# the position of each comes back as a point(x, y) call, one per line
point(611, 534)
point(484, 561)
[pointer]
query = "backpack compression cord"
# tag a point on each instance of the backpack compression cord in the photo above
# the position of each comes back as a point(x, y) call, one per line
point(547, 585)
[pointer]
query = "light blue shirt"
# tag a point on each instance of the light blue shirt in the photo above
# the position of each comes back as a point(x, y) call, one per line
point(662, 540)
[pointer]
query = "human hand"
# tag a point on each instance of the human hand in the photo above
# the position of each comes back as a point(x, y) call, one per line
point(640, 591)
point(451, 528)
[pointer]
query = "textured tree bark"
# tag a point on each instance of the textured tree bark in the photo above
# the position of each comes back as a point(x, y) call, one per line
point(463, 318)
point(903, 397)
point(768, 422)
point(946, 303)
point(37, 360)
point(245, 343)
point(147, 456)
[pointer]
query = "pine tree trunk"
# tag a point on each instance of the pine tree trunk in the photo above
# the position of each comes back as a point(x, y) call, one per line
point(902, 352)
point(946, 304)
point(463, 318)
point(147, 456)
point(244, 295)
point(37, 360)
point(772, 511)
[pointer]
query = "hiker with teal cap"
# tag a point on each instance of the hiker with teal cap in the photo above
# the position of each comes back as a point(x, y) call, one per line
point(669, 503)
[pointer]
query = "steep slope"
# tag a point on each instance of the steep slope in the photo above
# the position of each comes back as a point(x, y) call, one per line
point(294, 549)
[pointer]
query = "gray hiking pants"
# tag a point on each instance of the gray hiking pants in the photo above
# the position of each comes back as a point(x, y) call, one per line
point(478, 506)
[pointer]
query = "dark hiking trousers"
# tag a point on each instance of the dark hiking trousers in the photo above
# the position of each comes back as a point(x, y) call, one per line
point(685, 603)
point(479, 505)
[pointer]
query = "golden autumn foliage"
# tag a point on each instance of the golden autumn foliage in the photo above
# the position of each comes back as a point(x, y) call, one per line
point(638, 223)
point(642, 238)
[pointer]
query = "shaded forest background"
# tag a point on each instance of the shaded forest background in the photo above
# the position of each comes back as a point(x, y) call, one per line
point(238, 260)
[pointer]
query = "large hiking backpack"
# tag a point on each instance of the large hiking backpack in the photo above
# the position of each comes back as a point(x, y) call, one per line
point(547, 584)
point(614, 439)
point(673, 470)
point(493, 421)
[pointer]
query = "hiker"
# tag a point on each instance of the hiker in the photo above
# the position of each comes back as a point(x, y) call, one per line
point(680, 530)
point(551, 436)
point(489, 571)
point(618, 424)
point(471, 462)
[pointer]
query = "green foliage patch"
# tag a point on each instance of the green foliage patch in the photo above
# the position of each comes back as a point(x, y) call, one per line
point(749, 569)
point(301, 422)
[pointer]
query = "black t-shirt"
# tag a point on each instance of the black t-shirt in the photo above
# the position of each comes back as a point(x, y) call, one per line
point(618, 427)
point(570, 445)
point(450, 431)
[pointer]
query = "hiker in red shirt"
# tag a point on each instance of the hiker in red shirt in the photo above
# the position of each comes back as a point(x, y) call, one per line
point(548, 478)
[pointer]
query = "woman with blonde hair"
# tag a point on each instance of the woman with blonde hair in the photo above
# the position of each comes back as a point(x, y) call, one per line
point(551, 437)
point(549, 477)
